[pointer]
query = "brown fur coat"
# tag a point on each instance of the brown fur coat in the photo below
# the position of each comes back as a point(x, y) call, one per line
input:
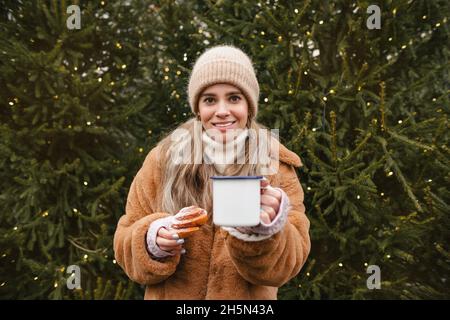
point(216, 265)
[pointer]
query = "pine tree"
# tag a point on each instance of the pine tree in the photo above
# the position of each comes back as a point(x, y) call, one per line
point(366, 110)
point(68, 152)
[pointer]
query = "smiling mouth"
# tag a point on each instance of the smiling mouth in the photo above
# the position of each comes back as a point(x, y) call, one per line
point(224, 124)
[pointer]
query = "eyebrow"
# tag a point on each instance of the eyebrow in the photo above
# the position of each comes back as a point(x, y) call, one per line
point(213, 95)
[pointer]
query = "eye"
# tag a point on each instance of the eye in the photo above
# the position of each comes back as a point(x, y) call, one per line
point(208, 100)
point(235, 98)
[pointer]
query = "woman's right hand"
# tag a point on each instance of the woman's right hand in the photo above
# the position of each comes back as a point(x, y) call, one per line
point(169, 241)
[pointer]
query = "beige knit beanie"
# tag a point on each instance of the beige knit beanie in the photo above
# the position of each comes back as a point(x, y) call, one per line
point(224, 64)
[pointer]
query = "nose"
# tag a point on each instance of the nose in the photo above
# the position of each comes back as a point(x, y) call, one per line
point(222, 111)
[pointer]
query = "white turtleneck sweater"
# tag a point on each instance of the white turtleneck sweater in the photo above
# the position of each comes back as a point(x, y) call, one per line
point(222, 154)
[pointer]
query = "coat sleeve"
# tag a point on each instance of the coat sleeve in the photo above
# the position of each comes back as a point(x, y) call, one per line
point(130, 237)
point(276, 260)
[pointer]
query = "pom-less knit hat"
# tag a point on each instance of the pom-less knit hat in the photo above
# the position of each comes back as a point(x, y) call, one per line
point(224, 64)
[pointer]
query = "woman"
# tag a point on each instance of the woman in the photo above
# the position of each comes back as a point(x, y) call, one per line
point(214, 262)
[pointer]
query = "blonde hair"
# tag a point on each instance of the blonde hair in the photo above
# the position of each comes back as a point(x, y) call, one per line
point(190, 184)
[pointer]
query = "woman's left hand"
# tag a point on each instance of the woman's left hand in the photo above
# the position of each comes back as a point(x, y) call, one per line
point(270, 202)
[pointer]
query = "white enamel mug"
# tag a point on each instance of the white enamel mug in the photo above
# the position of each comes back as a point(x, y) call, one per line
point(236, 200)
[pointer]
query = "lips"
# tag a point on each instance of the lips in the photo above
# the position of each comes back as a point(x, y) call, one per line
point(223, 124)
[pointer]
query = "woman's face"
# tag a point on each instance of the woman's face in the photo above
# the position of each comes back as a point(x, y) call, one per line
point(223, 107)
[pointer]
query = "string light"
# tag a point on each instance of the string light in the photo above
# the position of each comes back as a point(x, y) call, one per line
point(45, 214)
point(340, 264)
point(85, 183)
point(15, 228)
point(266, 100)
point(390, 173)
point(124, 66)
point(114, 261)
point(141, 150)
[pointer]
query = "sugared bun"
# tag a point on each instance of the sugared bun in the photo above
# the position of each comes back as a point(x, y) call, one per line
point(189, 220)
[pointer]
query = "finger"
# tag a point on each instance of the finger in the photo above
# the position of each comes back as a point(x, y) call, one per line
point(265, 217)
point(264, 183)
point(168, 234)
point(273, 192)
point(168, 243)
point(171, 248)
point(270, 202)
point(270, 211)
